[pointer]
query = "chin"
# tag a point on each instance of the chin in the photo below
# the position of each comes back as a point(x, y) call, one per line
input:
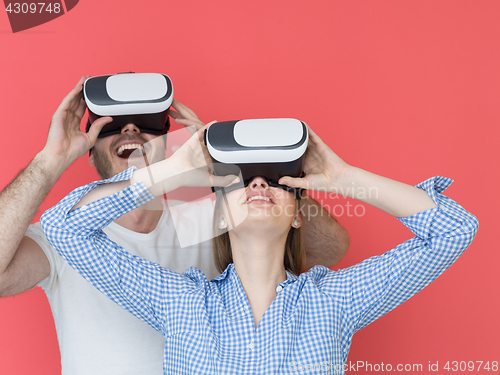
point(264, 219)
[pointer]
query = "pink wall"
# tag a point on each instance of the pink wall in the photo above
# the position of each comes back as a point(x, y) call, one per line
point(406, 89)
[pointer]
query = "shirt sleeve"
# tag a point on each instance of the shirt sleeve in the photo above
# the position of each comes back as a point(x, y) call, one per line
point(377, 285)
point(51, 282)
point(143, 288)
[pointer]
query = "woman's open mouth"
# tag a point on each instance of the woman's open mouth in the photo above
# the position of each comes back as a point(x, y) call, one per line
point(259, 198)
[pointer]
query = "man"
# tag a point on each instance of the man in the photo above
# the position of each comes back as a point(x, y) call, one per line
point(95, 335)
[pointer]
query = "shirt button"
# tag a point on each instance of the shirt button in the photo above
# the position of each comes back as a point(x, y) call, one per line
point(444, 209)
point(132, 187)
point(121, 195)
point(84, 208)
point(251, 345)
point(279, 288)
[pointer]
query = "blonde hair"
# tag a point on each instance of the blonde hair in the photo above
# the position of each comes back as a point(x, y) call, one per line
point(294, 257)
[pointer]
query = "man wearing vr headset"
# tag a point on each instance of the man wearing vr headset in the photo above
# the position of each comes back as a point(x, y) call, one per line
point(95, 335)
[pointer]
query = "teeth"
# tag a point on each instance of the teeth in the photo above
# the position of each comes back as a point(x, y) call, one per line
point(130, 147)
point(258, 197)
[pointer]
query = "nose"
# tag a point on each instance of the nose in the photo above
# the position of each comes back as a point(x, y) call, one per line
point(258, 183)
point(130, 128)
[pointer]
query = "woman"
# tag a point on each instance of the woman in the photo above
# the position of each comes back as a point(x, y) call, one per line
point(259, 316)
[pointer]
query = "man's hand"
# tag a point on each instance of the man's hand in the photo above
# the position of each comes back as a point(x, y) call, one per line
point(66, 142)
point(185, 116)
point(190, 164)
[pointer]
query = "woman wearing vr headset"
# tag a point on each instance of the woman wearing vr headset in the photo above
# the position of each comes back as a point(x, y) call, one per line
point(259, 316)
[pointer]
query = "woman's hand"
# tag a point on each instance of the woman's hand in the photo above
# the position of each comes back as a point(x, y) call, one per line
point(325, 171)
point(191, 163)
point(188, 166)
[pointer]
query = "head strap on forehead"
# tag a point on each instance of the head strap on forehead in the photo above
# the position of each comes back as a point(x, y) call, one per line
point(141, 99)
point(270, 148)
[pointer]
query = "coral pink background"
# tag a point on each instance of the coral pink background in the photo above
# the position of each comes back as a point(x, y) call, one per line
point(405, 89)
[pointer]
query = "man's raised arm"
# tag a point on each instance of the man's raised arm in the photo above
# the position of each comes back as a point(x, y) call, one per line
point(326, 241)
point(22, 262)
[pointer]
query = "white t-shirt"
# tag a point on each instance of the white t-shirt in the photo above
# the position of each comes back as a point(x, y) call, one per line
point(98, 337)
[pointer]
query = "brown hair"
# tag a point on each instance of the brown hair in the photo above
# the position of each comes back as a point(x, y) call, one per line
point(294, 259)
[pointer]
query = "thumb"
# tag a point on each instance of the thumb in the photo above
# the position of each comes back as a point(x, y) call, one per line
point(294, 182)
point(96, 128)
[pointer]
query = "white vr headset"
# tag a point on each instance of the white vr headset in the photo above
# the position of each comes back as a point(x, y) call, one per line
point(269, 148)
point(142, 99)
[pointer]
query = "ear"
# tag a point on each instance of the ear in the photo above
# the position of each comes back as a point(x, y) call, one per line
point(91, 160)
point(296, 222)
point(222, 224)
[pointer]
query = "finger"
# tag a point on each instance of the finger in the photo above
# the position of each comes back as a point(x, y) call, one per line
point(314, 138)
point(205, 126)
point(310, 130)
point(68, 99)
point(77, 104)
point(175, 115)
point(294, 182)
point(96, 128)
point(201, 131)
point(78, 87)
point(176, 104)
point(81, 81)
point(195, 128)
point(178, 118)
point(179, 107)
point(80, 111)
point(183, 110)
point(196, 140)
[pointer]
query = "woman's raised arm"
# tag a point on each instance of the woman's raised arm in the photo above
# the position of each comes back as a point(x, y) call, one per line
point(325, 171)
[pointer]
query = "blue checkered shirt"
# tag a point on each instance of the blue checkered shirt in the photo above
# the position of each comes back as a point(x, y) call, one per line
point(208, 325)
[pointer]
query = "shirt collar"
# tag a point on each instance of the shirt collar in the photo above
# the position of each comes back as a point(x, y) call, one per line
point(224, 274)
point(290, 277)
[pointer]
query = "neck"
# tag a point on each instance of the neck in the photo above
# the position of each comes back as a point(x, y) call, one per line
point(143, 219)
point(258, 261)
